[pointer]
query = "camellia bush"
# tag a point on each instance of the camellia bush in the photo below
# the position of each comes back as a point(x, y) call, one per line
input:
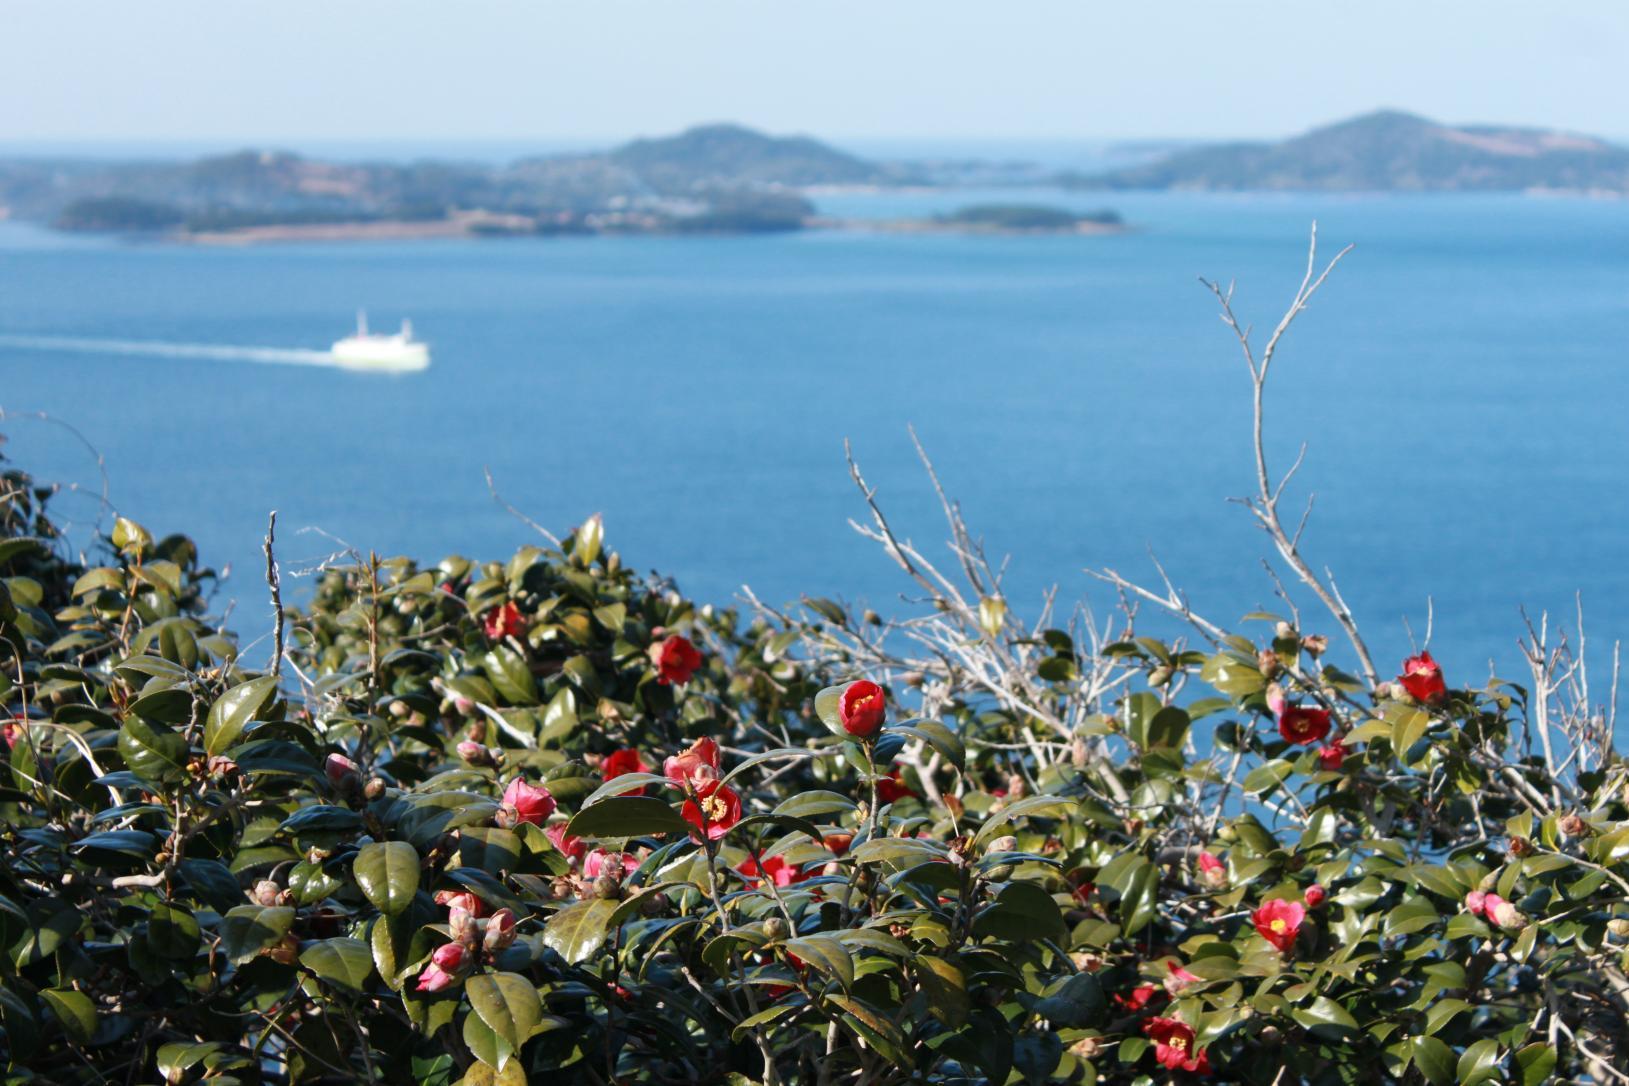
point(545, 820)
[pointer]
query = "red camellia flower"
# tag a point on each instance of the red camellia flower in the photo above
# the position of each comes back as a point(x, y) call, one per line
point(1315, 896)
point(1173, 1046)
point(695, 766)
point(502, 622)
point(676, 659)
point(712, 811)
point(1179, 978)
point(1083, 892)
point(572, 848)
point(891, 788)
point(1299, 724)
point(861, 708)
point(527, 802)
point(623, 761)
point(1278, 922)
point(776, 870)
point(1138, 998)
point(838, 842)
point(13, 730)
point(1330, 758)
point(1422, 678)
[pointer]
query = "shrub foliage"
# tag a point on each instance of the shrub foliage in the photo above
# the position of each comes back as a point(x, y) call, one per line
point(324, 869)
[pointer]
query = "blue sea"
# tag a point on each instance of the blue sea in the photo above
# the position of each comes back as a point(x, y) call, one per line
point(1461, 385)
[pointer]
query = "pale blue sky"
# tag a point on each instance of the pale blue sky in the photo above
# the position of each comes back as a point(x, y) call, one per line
point(443, 70)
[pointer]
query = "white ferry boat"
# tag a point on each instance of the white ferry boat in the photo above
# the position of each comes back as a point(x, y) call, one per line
point(366, 350)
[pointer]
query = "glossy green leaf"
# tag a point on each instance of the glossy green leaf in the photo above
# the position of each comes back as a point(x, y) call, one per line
point(388, 873)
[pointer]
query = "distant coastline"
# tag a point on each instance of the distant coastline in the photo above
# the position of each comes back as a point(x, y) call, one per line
point(725, 179)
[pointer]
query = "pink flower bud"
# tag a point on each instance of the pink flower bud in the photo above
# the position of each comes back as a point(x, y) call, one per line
point(342, 772)
point(529, 802)
point(1315, 896)
point(1505, 914)
point(450, 956)
point(1275, 699)
point(475, 753)
point(461, 924)
point(500, 931)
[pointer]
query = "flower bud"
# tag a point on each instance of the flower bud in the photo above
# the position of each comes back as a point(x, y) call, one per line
point(777, 928)
point(1572, 825)
point(475, 754)
point(375, 788)
point(1315, 896)
point(343, 774)
point(1160, 675)
point(1267, 663)
point(1284, 631)
point(400, 708)
point(267, 893)
point(1507, 916)
point(1087, 962)
point(1520, 846)
point(1085, 1048)
point(461, 924)
point(1003, 844)
point(1315, 644)
point(500, 931)
point(607, 887)
point(1618, 926)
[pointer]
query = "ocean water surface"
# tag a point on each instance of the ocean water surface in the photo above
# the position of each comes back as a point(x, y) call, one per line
point(1461, 385)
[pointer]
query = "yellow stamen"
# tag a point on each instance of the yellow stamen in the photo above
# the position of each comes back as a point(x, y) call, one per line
point(1179, 1043)
point(1279, 926)
point(713, 808)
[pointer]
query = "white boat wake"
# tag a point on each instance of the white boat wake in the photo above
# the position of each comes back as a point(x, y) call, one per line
point(156, 349)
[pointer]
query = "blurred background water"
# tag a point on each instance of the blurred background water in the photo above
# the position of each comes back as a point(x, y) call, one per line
point(1461, 383)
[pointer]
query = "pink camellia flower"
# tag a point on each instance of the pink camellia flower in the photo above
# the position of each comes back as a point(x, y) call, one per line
point(449, 962)
point(776, 870)
point(1279, 922)
point(462, 899)
point(1476, 902)
point(676, 659)
point(1422, 678)
point(1174, 1047)
point(623, 761)
point(712, 811)
point(1315, 896)
point(862, 707)
point(618, 865)
point(500, 931)
point(572, 848)
point(1330, 758)
point(526, 802)
point(1300, 724)
point(1212, 870)
point(342, 772)
point(1179, 978)
point(502, 622)
point(1275, 699)
point(693, 767)
point(13, 730)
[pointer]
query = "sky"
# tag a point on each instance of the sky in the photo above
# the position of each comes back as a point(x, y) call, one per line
point(251, 71)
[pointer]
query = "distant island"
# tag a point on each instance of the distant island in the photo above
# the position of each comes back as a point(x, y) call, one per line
point(1389, 151)
point(726, 179)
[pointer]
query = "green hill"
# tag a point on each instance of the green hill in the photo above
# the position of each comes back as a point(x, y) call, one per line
point(1390, 151)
